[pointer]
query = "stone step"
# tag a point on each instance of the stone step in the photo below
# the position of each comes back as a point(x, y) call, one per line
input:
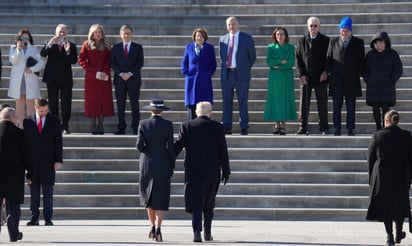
point(248, 189)
point(236, 165)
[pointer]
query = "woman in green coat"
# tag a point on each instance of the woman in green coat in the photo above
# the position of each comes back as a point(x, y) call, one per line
point(280, 102)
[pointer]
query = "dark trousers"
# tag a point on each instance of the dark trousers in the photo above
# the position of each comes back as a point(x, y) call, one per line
point(13, 217)
point(388, 226)
point(47, 201)
point(197, 220)
point(64, 93)
point(350, 109)
point(242, 93)
point(129, 88)
point(321, 92)
point(379, 116)
point(191, 112)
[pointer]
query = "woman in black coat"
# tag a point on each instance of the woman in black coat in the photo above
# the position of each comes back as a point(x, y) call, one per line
point(383, 68)
point(390, 165)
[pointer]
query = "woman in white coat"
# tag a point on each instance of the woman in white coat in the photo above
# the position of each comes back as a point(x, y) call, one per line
point(24, 82)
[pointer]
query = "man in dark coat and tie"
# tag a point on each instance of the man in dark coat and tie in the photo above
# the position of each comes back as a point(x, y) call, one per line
point(15, 160)
point(127, 61)
point(61, 54)
point(44, 132)
point(206, 157)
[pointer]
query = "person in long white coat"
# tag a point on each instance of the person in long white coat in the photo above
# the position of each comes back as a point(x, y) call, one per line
point(24, 82)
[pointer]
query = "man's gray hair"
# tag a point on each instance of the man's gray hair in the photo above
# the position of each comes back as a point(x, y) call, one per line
point(7, 113)
point(203, 108)
point(313, 18)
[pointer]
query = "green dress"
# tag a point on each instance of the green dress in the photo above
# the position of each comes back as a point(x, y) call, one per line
point(280, 100)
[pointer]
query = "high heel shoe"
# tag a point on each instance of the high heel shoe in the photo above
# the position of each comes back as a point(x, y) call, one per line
point(152, 233)
point(159, 237)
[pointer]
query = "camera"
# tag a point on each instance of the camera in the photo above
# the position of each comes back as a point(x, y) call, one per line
point(62, 39)
point(25, 44)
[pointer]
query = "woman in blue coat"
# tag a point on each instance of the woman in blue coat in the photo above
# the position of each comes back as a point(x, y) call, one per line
point(383, 68)
point(198, 65)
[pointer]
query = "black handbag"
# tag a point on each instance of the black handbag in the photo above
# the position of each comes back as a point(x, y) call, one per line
point(30, 62)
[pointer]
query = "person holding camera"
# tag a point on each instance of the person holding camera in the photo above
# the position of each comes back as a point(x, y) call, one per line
point(61, 54)
point(24, 85)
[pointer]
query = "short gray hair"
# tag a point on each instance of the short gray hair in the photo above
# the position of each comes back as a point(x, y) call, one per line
point(313, 18)
point(7, 113)
point(203, 108)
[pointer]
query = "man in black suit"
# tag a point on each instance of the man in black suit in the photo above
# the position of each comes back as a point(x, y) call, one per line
point(206, 156)
point(311, 65)
point(126, 62)
point(15, 160)
point(44, 132)
point(344, 63)
point(61, 54)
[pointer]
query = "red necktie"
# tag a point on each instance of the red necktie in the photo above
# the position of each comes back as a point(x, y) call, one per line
point(125, 51)
point(60, 46)
point(40, 125)
point(230, 53)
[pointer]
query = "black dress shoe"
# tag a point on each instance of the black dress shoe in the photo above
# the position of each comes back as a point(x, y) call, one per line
point(208, 236)
point(399, 236)
point(33, 222)
point(158, 237)
point(66, 131)
point(19, 237)
point(351, 133)
point(302, 131)
point(48, 223)
point(196, 237)
point(228, 131)
point(152, 233)
point(244, 131)
point(337, 132)
point(120, 132)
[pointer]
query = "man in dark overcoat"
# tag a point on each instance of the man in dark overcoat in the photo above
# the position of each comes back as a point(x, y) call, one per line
point(44, 132)
point(390, 166)
point(15, 160)
point(344, 63)
point(206, 157)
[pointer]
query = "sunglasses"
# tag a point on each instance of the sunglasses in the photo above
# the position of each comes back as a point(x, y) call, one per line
point(22, 38)
point(313, 25)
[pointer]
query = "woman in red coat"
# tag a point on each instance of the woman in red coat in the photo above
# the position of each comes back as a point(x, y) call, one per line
point(95, 59)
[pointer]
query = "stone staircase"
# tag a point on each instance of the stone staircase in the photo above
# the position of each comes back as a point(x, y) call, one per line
point(274, 177)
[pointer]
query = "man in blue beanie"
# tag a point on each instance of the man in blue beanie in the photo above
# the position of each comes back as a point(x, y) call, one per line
point(344, 64)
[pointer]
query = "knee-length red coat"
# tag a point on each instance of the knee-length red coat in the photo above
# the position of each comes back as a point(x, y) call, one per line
point(98, 98)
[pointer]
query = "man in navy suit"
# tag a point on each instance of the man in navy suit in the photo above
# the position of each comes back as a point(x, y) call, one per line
point(58, 76)
point(44, 133)
point(237, 53)
point(126, 62)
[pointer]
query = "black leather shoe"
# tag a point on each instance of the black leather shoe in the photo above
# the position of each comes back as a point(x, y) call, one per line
point(208, 236)
point(228, 131)
point(244, 131)
point(337, 132)
point(152, 233)
point(33, 222)
point(66, 131)
point(351, 133)
point(302, 131)
point(19, 237)
point(48, 223)
point(120, 132)
point(196, 237)
point(282, 131)
point(389, 240)
point(399, 236)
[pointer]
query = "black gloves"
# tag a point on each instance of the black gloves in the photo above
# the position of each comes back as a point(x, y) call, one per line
point(225, 178)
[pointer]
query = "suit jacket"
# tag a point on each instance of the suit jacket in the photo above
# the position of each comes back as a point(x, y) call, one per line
point(345, 66)
point(59, 64)
point(245, 56)
point(133, 63)
point(157, 161)
point(47, 147)
point(206, 155)
point(311, 57)
point(199, 70)
point(390, 166)
point(15, 160)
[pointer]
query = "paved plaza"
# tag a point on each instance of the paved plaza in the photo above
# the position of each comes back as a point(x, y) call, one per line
point(225, 232)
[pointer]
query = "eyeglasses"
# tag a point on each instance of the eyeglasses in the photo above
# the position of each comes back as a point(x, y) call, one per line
point(313, 25)
point(23, 38)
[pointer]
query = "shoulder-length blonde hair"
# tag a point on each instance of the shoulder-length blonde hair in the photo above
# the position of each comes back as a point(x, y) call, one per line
point(91, 42)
